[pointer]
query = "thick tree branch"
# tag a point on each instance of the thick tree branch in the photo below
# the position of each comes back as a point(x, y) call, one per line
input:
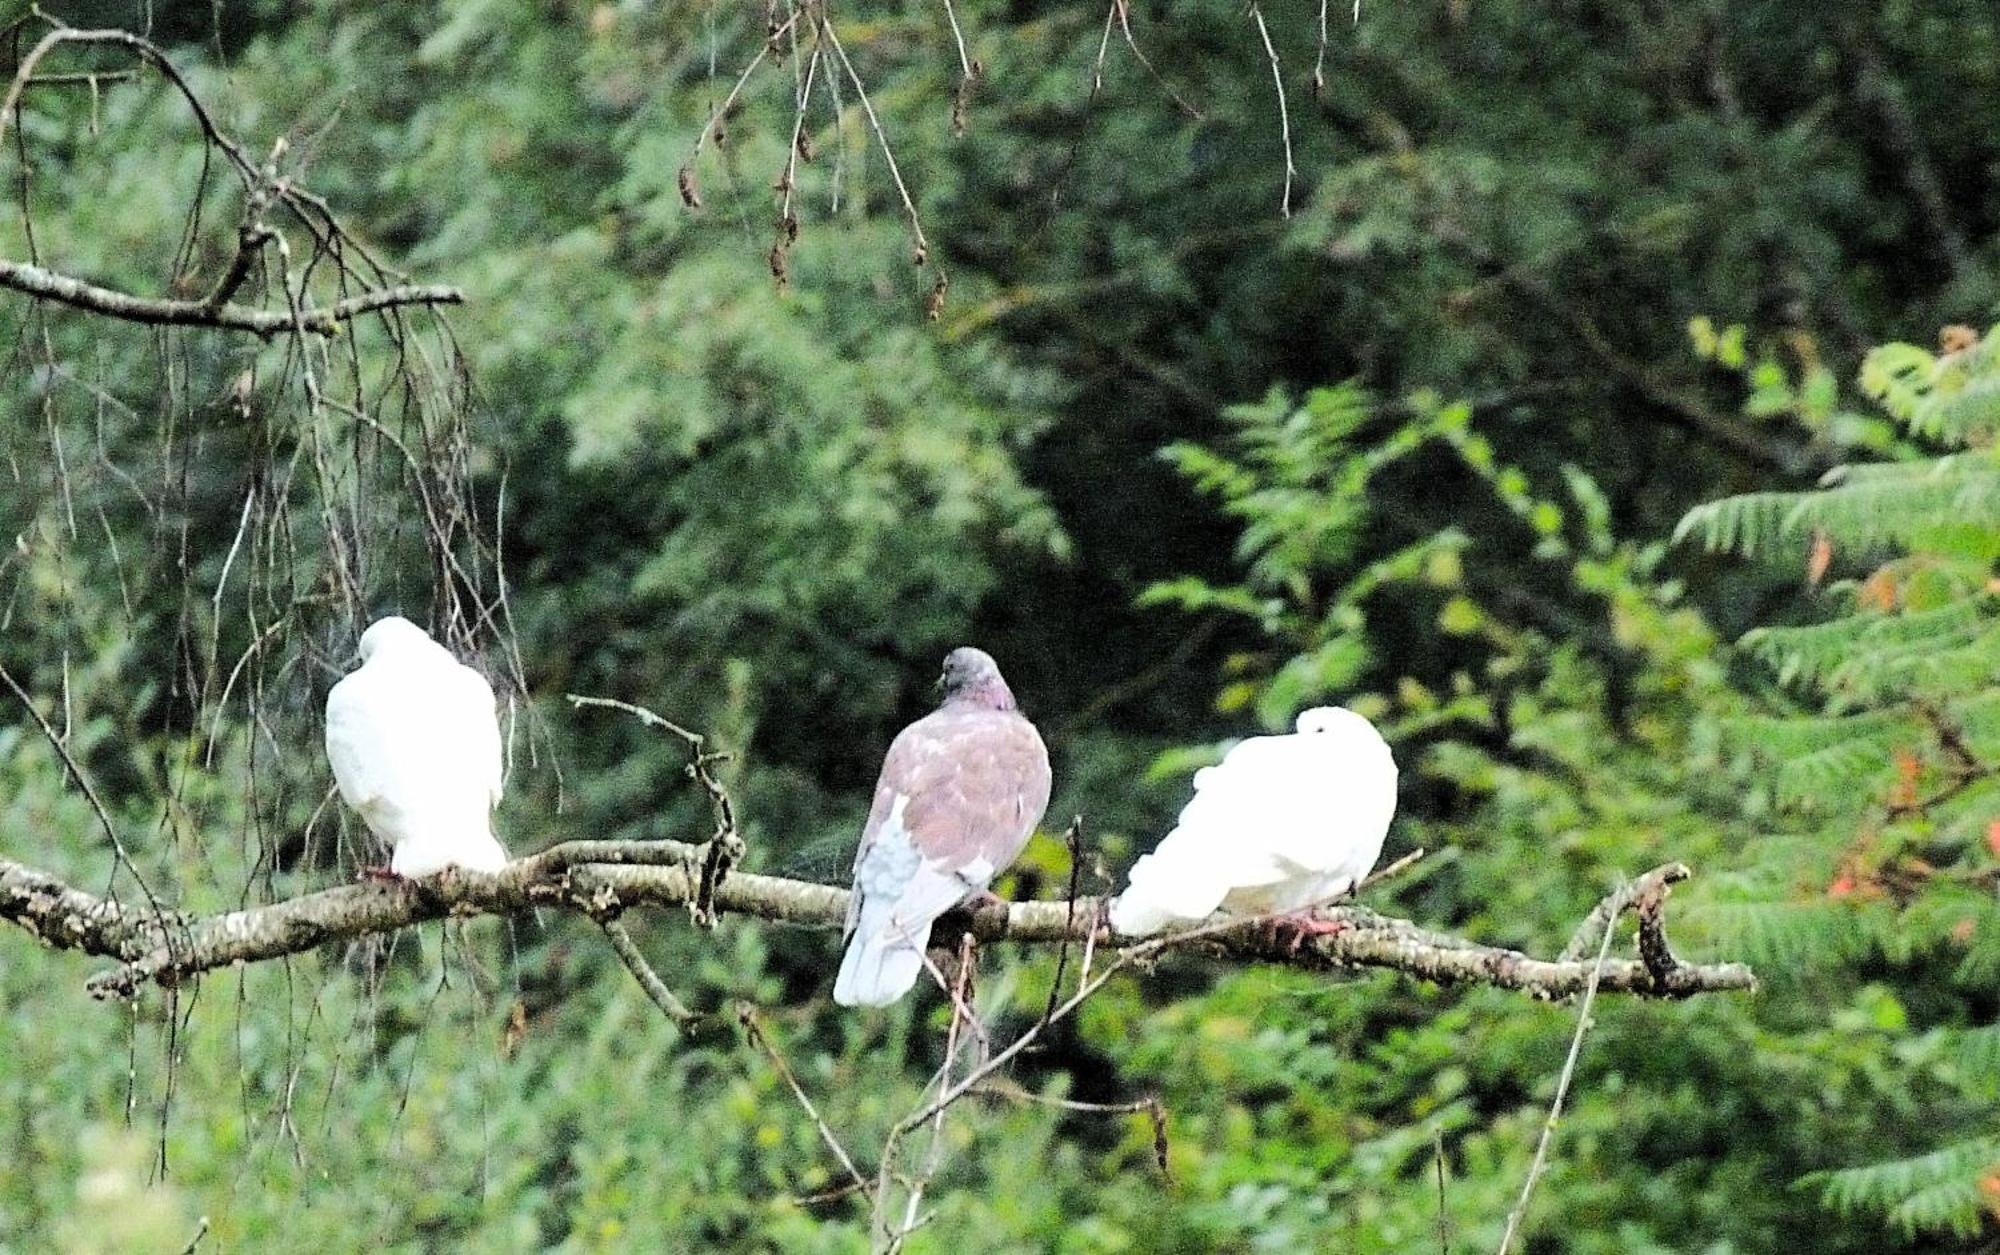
point(35, 281)
point(168, 948)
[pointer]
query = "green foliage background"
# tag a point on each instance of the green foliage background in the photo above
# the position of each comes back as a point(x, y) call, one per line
point(1558, 281)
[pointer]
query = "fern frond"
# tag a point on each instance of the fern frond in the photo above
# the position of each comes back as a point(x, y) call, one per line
point(1793, 936)
point(1977, 1053)
point(1818, 758)
point(1739, 523)
point(1971, 411)
point(1860, 508)
point(1934, 1193)
point(1867, 652)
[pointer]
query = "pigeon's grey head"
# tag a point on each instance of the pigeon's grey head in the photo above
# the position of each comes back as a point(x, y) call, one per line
point(392, 632)
point(972, 678)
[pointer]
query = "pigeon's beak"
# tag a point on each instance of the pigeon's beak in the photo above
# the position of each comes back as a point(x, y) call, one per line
point(937, 685)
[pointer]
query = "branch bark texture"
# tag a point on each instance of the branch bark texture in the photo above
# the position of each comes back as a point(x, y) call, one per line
point(602, 879)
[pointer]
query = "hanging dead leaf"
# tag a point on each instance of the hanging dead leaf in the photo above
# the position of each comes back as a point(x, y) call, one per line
point(1908, 768)
point(1878, 591)
point(516, 1030)
point(1819, 559)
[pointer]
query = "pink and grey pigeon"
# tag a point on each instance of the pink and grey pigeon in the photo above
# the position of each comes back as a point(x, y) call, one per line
point(960, 793)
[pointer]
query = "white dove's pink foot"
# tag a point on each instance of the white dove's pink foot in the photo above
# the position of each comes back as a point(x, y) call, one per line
point(1305, 925)
point(382, 875)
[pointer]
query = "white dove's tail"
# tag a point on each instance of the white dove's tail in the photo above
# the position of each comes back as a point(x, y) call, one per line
point(882, 960)
point(1165, 889)
point(475, 849)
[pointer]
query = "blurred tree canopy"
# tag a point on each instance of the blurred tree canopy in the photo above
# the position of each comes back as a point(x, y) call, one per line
point(1555, 280)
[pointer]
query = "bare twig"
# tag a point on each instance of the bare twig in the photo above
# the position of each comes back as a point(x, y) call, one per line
point(1150, 1106)
point(1437, 1158)
point(1284, 111)
point(1520, 1212)
point(747, 1016)
point(968, 74)
point(75, 770)
point(86, 78)
point(200, 1232)
point(934, 1151)
point(1123, 10)
point(642, 971)
point(716, 114)
point(958, 37)
point(1319, 57)
point(788, 182)
point(922, 250)
point(725, 845)
point(1072, 838)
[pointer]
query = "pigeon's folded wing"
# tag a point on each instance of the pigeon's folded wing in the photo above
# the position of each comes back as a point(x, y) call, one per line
point(960, 793)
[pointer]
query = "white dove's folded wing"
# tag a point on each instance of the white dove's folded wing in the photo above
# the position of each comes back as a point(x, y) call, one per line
point(476, 712)
point(1173, 883)
point(360, 743)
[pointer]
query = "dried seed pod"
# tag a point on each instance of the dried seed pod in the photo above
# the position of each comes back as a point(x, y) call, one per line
point(934, 299)
point(961, 101)
point(690, 196)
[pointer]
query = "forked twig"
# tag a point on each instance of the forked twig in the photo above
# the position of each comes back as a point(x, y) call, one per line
point(725, 845)
point(934, 1151)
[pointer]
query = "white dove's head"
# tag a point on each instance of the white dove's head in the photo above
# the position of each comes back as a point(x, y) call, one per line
point(392, 632)
point(1331, 719)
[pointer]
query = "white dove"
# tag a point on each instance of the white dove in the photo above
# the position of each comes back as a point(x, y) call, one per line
point(414, 739)
point(1281, 823)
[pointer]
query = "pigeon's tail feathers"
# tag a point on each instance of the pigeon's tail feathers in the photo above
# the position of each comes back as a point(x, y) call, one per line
point(1165, 888)
point(882, 961)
